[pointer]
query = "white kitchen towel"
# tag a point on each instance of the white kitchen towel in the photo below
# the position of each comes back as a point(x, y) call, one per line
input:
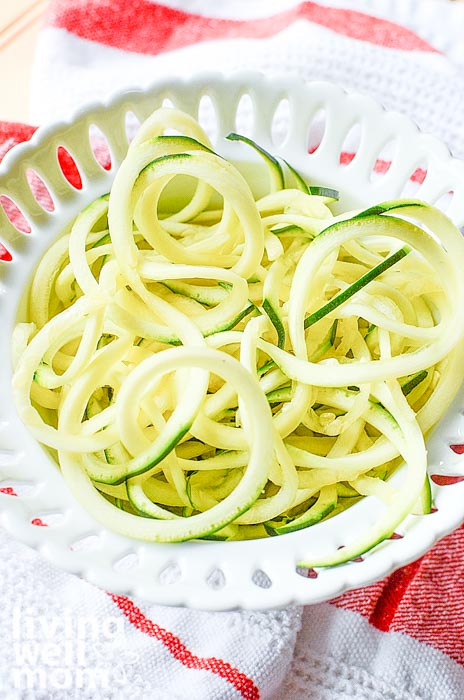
point(63, 639)
point(92, 48)
point(400, 639)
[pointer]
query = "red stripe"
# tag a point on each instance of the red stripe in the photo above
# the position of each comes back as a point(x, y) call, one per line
point(12, 133)
point(361, 600)
point(179, 651)
point(146, 27)
point(387, 604)
point(240, 681)
point(432, 607)
point(425, 600)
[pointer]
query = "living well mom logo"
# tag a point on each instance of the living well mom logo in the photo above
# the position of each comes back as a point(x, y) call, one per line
point(58, 652)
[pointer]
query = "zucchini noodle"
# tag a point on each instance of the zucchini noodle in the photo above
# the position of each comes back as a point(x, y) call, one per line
point(202, 364)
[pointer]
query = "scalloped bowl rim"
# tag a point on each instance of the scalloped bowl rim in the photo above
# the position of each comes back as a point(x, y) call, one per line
point(239, 561)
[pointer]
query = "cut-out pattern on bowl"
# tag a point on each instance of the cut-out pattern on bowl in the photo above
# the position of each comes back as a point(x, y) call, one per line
point(457, 448)
point(126, 563)
point(415, 180)
point(8, 458)
point(5, 254)
point(216, 579)
point(306, 573)
point(446, 479)
point(316, 131)
point(383, 161)
point(14, 214)
point(207, 116)
point(444, 201)
point(100, 147)
point(85, 544)
point(244, 116)
point(261, 579)
point(170, 574)
point(167, 103)
point(48, 519)
point(39, 190)
point(320, 115)
point(69, 167)
point(350, 145)
point(132, 123)
point(38, 522)
point(7, 491)
point(280, 122)
point(21, 489)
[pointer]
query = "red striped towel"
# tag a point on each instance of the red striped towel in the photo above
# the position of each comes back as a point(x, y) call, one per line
point(402, 638)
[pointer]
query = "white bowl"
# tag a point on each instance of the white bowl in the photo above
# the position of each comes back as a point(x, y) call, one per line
point(278, 114)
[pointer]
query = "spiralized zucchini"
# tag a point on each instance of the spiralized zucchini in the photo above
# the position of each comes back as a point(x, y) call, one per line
point(229, 368)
